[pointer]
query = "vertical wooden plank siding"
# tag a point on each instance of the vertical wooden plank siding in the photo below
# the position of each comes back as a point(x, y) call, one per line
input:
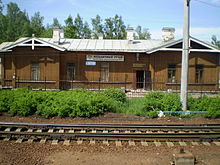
point(53, 68)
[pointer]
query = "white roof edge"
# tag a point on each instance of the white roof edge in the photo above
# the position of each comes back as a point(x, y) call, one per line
point(20, 41)
point(180, 40)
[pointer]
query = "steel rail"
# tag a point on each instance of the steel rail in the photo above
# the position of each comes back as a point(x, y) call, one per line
point(136, 126)
point(179, 131)
point(210, 135)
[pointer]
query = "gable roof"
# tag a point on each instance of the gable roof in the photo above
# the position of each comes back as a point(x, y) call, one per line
point(208, 47)
point(105, 45)
point(31, 41)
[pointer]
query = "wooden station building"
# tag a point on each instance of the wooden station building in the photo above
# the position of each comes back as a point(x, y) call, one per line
point(61, 63)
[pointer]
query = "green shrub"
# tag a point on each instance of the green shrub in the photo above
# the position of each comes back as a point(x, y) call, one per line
point(75, 103)
point(84, 103)
point(171, 102)
point(162, 101)
point(152, 114)
point(47, 106)
point(152, 101)
point(115, 93)
point(24, 102)
point(6, 99)
point(212, 106)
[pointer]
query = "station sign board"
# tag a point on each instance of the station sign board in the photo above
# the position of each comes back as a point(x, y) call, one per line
point(139, 65)
point(105, 57)
point(90, 63)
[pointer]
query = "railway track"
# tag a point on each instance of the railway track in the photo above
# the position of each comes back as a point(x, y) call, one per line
point(111, 133)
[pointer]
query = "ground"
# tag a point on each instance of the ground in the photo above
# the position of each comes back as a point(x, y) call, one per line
point(12, 153)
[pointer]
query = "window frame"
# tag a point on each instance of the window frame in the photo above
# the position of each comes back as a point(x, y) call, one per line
point(35, 71)
point(171, 73)
point(71, 71)
point(199, 71)
point(104, 72)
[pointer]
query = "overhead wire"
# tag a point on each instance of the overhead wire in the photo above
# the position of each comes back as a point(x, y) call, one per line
point(206, 3)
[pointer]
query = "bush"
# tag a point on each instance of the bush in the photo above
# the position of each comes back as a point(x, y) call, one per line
point(152, 114)
point(84, 103)
point(171, 102)
point(152, 101)
point(6, 99)
point(162, 101)
point(79, 102)
point(24, 102)
point(115, 93)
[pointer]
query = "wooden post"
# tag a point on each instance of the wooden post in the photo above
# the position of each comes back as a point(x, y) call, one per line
point(13, 72)
point(45, 84)
point(126, 76)
point(99, 83)
point(2, 70)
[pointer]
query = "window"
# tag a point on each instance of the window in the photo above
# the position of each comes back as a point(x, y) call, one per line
point(104, 72)
point(70, 71)
point(199, 73)
point(35, 71)
point(171, 73)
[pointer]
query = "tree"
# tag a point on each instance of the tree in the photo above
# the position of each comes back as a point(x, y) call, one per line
point(114, 28)
point(78, 23)
point(109, 28)
point(97, 26)
point(70, 29)
point(86, 31)
point(82, 29)
point(15, 22)
point(215, 41)
point(47, 32)
point(1, 7)
point(37, 24)
point(3, 26)
point(119, 27)
point(56, 23)
point(143, 34)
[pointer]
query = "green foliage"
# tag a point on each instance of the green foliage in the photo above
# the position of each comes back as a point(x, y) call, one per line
point(97, 26)
point(143, 34)
point(215, 41)
point(162, 101)
point(152, 114)
point(85, 103)
point(152, 101)
point(36, 24)
point(79, 102)
point(70, 29)
point(115, 93)
point(114, 28)
point(16, 23)
point(6, 99)
point(209, 104)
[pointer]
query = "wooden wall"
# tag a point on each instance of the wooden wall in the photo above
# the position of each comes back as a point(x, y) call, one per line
point(53, 69)
point(118, 71)
point(17, 65)
point(161, 60)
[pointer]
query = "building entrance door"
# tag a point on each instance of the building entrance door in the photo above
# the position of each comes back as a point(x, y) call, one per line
point(143, 79)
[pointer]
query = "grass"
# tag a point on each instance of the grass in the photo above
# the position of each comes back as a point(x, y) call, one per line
point(132, 106)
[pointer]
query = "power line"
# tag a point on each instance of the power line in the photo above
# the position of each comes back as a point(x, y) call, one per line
point(209, 4)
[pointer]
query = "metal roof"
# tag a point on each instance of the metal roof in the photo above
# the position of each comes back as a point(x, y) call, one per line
point(93, 44)
point(100, 45)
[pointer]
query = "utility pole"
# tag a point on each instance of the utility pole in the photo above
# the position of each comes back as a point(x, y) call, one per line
point(185, 57)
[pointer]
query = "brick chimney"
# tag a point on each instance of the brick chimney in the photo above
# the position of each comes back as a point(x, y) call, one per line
point(57, 35)
point(168, 33)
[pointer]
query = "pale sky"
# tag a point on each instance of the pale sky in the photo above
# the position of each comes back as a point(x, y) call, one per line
point(151, 14)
